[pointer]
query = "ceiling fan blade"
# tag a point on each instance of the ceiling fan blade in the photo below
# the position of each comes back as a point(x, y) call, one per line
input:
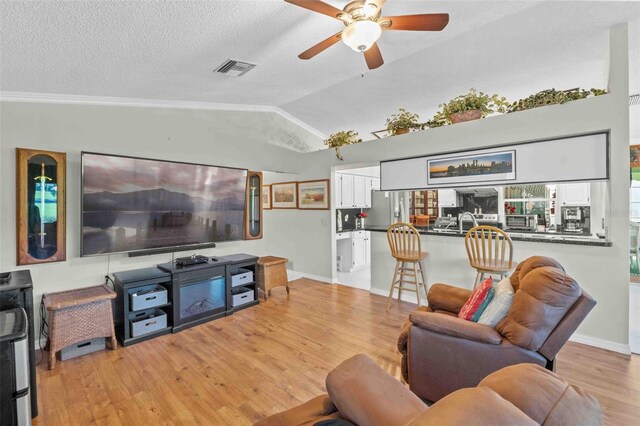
point(318, 6)
point(373, 57)
point(426, 22)
point(320, 47)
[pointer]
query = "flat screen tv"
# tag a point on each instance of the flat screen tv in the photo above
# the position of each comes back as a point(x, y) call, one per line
point(134, 204)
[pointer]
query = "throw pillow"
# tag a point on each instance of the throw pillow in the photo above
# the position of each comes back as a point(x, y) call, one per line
point(475, 300)
point(483, 305)
point(500, 305)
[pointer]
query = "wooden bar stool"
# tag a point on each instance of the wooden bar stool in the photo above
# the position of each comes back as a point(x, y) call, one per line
point(490, 251)
point(406, 248)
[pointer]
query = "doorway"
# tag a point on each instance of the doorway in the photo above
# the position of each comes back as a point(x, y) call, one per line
point(353, 201)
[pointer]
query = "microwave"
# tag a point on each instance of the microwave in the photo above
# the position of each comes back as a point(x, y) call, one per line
point(528, 222)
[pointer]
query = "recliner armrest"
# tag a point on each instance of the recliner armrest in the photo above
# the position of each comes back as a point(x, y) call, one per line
point(447, 297)
point(367, 395)
point(455, 327)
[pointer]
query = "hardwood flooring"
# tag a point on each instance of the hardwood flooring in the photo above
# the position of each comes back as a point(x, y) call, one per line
point(268, 358)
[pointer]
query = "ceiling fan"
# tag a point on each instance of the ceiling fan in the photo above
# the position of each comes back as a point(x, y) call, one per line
point(364, 25)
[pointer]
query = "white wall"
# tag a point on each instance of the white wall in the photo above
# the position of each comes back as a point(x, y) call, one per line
point(214, 137)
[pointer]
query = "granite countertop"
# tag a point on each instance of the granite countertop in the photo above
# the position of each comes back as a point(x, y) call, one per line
point(537, 237)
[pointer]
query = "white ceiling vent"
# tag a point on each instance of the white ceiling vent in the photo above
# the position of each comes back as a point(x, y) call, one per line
point(235, 68)
point(634, 99)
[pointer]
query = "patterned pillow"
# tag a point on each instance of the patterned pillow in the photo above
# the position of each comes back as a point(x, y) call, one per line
point(500, 304)
point(483, 305)
point(475, 300)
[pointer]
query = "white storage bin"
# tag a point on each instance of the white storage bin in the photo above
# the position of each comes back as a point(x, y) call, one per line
point(242, 296)
point(148, 297)
point(244, 276)
point(147, 322)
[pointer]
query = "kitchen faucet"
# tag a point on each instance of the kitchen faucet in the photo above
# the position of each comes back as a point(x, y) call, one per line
point(473, 218)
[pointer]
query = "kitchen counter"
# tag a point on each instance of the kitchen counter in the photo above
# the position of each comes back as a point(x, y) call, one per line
point(539, 237)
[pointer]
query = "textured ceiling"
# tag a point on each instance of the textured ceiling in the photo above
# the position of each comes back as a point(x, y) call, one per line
point(167, 51)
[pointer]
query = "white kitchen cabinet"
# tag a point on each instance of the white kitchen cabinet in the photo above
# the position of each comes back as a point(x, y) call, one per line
point(359, 253)
point(447, 198)
point(367, 248)
point(346, 200)
point(573, 194)
point(355, 191)
point(354, 250)
point(359, 188)
point(375, 184)
point(368, 186)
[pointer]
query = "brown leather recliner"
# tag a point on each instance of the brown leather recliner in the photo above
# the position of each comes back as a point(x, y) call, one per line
point(362, 393)
point(442, 353)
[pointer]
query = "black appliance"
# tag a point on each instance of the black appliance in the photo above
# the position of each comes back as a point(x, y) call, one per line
point(576, 219)
point(191, 260)
point(16, 291)
point(15, 401)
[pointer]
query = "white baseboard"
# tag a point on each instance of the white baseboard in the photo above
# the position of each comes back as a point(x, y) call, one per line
point(294, 275)
point(406, 297)
point(601, 343)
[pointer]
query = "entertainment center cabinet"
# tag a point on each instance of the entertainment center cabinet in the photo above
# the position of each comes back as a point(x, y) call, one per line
point(169, 298)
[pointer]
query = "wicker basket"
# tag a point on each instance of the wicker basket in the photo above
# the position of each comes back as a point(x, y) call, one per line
point(79, 315)
point(272, 272)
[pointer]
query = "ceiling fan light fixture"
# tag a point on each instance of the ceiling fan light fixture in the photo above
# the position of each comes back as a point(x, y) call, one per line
point(361, 35)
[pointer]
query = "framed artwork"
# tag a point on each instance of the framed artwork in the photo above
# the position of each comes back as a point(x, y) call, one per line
point(253, 207)
point(266, 197)
point(284, 195)
point(313, 195)
point(41, 213)
point(474, 168)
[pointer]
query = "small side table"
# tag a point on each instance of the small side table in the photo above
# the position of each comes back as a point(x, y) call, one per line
point(79, 315)
point(272, 272)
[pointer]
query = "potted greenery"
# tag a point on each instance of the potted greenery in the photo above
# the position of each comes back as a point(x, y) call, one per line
point(402, 122)
point(552, 97)
point(342, 138)
point(472, 106)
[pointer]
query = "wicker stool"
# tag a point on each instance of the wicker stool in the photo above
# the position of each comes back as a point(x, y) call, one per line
point(272, 272)
point(79, 315)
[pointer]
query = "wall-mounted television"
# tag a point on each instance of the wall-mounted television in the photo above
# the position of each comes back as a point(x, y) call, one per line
point(134, 204)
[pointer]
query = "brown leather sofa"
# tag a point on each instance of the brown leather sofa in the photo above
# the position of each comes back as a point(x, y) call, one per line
point(362, 393)
point(442, 353)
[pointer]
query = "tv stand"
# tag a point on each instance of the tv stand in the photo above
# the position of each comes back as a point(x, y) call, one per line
point(177, 297)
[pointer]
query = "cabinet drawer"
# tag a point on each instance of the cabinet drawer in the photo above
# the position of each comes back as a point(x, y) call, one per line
point(359, 234)
point(343, 235)
point(148, 297)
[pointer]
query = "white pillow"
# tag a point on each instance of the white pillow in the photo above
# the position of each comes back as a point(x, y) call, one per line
point(499, 305)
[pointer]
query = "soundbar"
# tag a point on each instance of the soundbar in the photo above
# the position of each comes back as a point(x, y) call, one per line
point(162, 250)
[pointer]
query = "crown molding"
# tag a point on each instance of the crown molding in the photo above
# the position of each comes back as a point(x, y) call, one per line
point(151, 103)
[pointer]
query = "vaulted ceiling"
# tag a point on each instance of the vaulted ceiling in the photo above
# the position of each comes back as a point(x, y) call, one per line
point(168, 51)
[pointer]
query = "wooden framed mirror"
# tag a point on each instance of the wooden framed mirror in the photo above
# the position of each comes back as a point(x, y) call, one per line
point(253, 214)
point(40, 206)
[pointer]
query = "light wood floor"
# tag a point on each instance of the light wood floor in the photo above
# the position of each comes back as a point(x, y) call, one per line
point(268, 358)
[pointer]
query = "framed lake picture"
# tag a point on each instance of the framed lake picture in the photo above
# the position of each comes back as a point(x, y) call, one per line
point(474, 168)
point(284, 195)
point(266, 197)
point(313, 195)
